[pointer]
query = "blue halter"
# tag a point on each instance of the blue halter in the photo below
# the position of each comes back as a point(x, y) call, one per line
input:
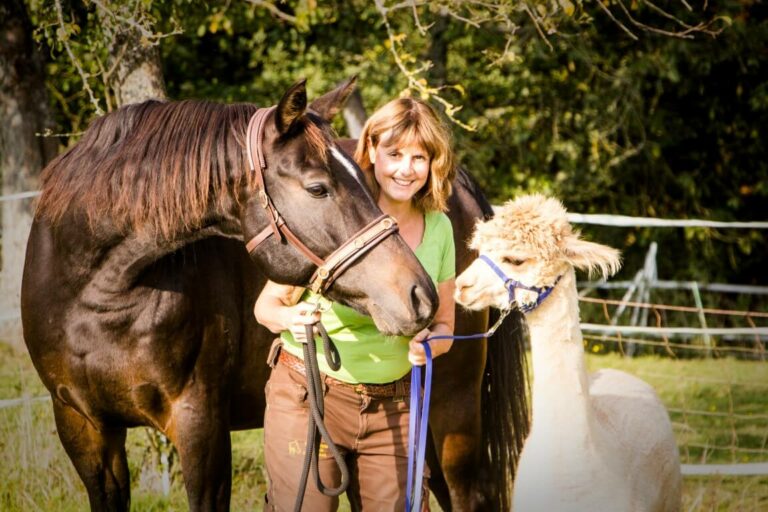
point(510, 284)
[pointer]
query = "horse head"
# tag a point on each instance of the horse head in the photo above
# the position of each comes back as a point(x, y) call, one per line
point(309, 200)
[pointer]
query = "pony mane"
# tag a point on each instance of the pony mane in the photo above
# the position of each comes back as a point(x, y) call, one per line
point(464, 178)
point(153, 166)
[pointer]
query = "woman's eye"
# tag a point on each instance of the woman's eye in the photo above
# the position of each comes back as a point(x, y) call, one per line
point(317, 190)
point(513, 261)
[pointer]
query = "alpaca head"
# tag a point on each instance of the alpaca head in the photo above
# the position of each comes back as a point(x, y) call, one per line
point(531, 240)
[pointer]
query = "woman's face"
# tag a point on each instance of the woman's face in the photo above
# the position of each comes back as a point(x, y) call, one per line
point(401, 169)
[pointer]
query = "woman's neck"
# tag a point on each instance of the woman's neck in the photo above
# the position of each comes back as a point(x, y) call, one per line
point(410, 220)
point(404, 212)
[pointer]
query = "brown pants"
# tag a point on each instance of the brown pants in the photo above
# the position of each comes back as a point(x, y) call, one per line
point(372, 435)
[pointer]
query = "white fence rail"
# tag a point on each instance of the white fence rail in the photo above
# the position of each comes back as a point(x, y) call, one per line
point(20, 195)
point(652, 222)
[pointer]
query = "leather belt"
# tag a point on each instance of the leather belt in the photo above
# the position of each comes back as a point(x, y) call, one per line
point(397, 389)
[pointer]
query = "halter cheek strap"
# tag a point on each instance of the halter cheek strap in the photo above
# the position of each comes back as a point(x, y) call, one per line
point(338, 261)
point(511, 284)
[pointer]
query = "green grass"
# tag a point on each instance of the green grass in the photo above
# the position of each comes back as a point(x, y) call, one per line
point(35, 473)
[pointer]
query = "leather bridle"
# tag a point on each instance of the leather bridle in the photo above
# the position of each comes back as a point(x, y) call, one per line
point(338, 261)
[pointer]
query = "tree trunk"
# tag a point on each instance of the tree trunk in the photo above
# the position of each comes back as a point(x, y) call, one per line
point(354, 114)
point(138, 74)
point(23, 114)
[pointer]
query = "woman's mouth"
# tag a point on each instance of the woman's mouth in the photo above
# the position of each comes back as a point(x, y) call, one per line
point(401, 182)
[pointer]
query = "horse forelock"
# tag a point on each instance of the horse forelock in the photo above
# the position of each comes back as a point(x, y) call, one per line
point(318, 136)
point(152, 166)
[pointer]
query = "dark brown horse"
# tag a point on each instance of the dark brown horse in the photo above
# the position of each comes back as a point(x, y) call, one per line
point(137, 294)
point(136, 306)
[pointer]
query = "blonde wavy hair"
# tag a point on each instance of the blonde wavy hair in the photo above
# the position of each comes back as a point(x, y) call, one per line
point(404, 121)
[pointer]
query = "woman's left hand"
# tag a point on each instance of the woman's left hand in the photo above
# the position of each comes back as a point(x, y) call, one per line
point(416, 354)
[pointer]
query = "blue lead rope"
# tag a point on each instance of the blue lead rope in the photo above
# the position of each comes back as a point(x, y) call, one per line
point(417, 431)
point(419, 417)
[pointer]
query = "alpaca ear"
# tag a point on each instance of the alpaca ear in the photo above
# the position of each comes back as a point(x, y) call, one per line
point(291, 107)
point(330, 103)
point(590, 256)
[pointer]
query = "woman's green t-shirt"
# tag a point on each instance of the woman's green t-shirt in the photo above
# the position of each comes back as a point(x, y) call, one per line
point(367, 355)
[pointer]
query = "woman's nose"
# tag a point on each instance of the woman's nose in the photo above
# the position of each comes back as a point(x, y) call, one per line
point(406, 165)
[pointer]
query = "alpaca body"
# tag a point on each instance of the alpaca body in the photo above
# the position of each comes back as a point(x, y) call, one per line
point(599, 442)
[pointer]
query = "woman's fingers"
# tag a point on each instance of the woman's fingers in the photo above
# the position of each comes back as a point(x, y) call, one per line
point(418, 356)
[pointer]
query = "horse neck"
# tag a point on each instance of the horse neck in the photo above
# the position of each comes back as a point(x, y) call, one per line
point(126, 258)
point(560, 382)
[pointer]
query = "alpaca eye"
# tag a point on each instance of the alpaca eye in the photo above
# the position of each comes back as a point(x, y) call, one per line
point(317, 190)
point(512, 261)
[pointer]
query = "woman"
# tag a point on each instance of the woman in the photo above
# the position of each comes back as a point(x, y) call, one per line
point(407, 149)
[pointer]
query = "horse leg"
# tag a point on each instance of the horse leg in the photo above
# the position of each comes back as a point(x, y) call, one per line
point(455, 425)
point(98, 455)
point(437, 484)
point(201, 436)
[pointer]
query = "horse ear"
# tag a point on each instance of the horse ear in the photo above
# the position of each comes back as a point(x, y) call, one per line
point(291, 107)
point(329, 104)
point(590, 256)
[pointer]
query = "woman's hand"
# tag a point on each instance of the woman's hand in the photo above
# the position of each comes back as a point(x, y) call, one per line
point(416, 353)
point(442, 324)
point(297, 317)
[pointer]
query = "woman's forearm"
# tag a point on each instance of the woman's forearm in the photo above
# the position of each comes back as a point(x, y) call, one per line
point(271, 313)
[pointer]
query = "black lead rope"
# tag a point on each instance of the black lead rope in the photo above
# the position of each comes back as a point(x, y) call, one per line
point(315, 421)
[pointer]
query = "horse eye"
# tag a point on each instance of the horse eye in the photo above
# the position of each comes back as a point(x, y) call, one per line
point(512, 261)
point(317, 190)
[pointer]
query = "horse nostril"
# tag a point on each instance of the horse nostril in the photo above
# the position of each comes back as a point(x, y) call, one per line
point(421, 302)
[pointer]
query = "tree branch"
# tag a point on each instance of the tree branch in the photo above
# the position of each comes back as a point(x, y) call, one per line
point(272, 8)
point(65, 41)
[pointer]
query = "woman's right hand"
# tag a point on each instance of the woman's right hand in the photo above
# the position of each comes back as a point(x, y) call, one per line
point(297, 317)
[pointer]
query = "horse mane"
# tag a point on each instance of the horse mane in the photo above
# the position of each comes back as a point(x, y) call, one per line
point(156, 166)
point(469, 182)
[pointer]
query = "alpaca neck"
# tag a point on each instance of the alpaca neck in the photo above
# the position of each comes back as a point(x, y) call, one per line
point(560, 385)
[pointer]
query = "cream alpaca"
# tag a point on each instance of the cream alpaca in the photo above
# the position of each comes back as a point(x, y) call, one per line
point(599, 442)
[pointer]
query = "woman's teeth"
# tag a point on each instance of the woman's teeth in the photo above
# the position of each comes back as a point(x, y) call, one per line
point(402, 183)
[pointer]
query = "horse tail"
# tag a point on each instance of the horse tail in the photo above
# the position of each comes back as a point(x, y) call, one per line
point(504, 399)
point(505, 388)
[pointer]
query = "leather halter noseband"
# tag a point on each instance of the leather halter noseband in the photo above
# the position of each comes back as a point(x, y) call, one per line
point(336, 262)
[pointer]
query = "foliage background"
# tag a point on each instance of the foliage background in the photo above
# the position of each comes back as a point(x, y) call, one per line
point(571, 98)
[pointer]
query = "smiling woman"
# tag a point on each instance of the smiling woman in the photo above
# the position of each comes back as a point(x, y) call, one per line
point(405, 155)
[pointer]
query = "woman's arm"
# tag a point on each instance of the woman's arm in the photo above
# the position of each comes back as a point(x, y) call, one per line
point(278, 309)
point(443, 323)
